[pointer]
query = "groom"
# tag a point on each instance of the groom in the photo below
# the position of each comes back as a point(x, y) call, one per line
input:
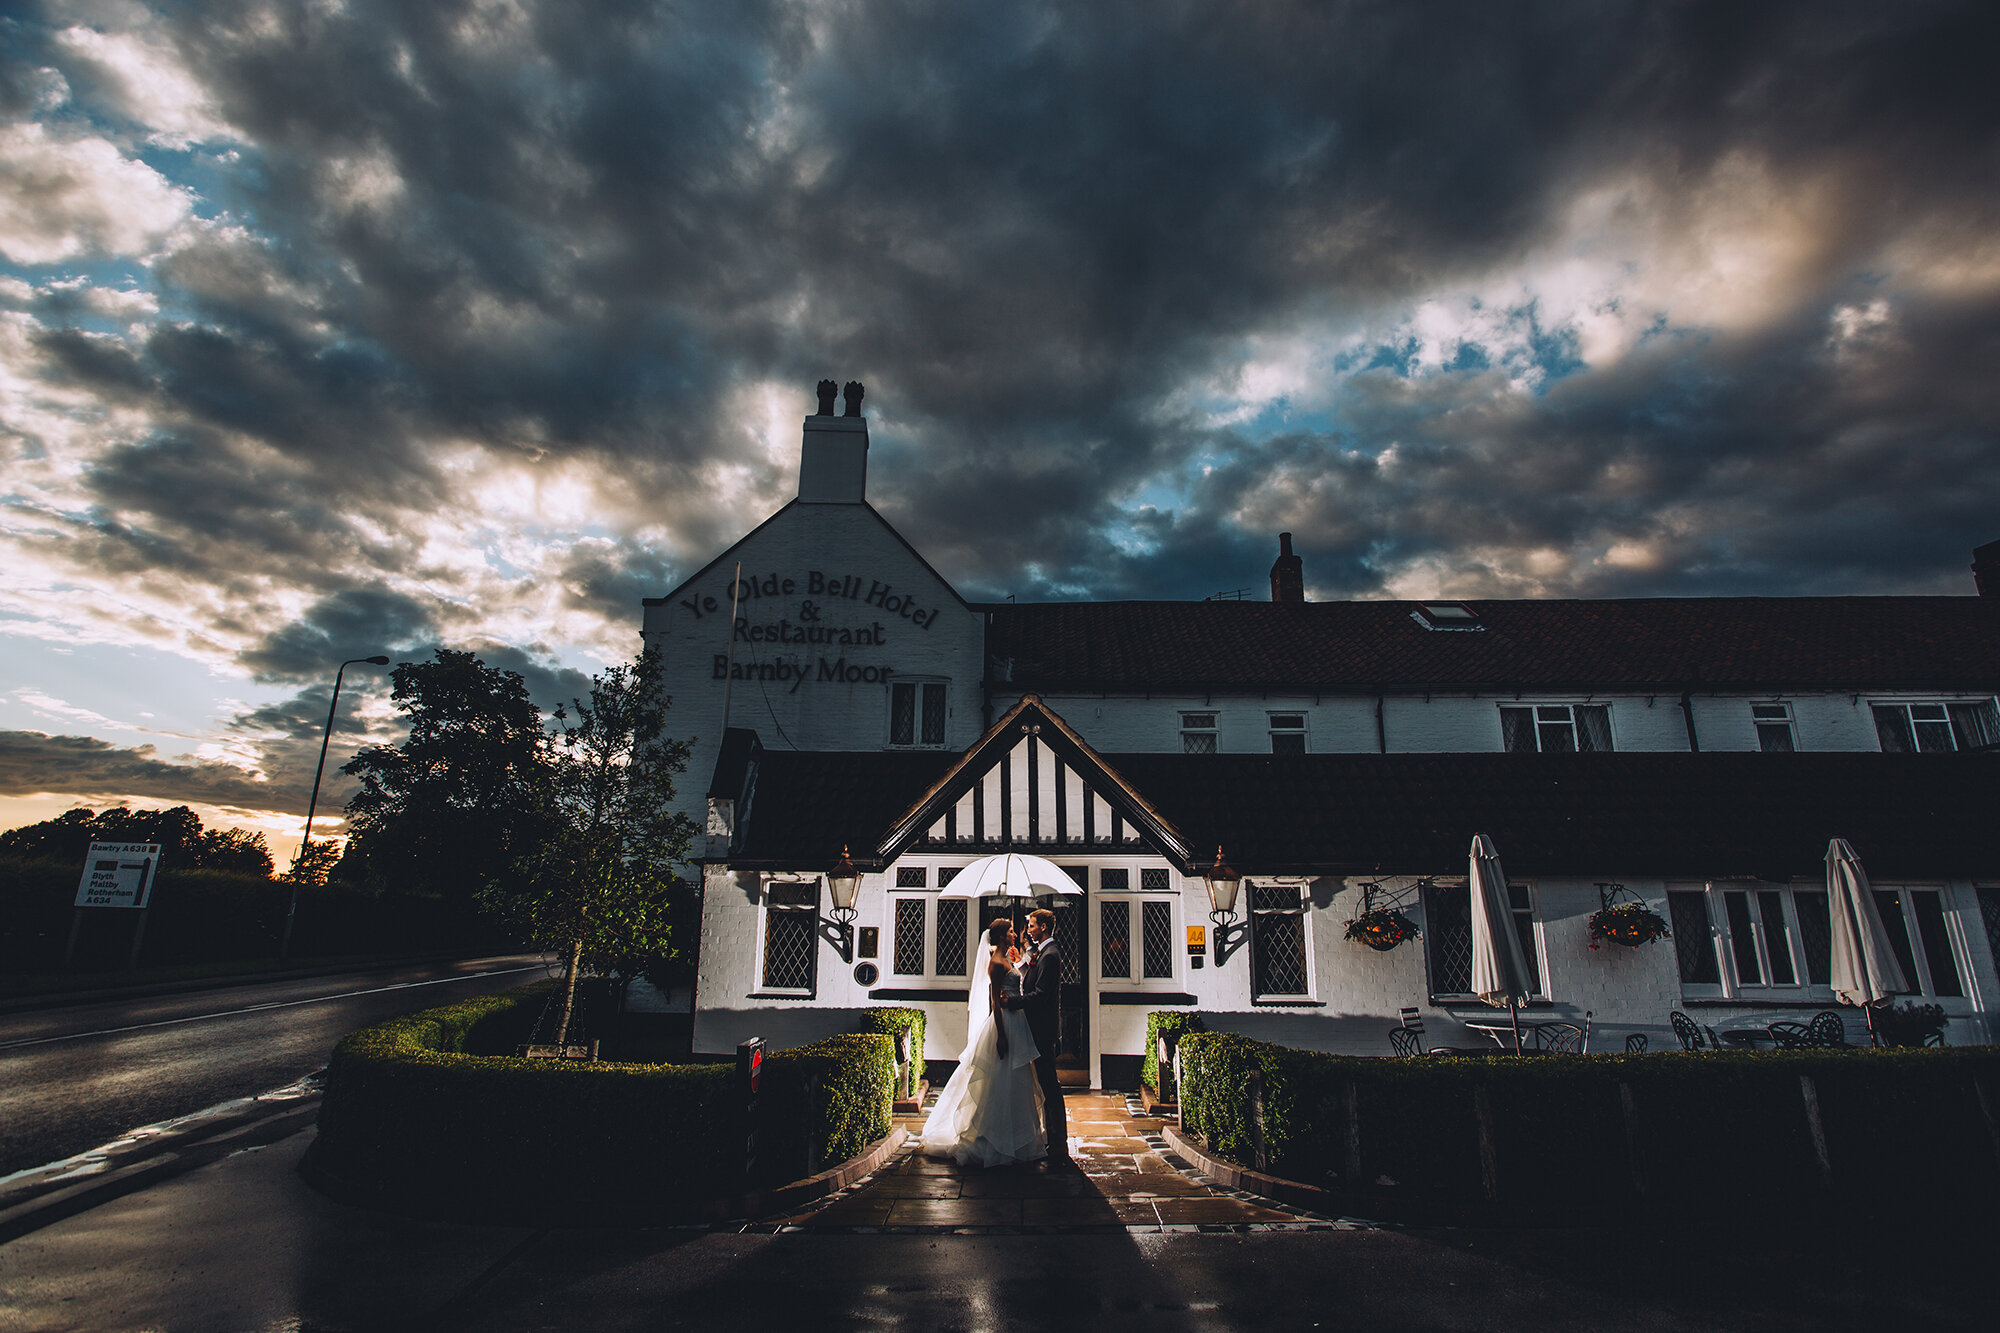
point(1041, 981)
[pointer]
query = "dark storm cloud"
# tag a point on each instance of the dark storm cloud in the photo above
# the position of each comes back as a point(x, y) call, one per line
point(1048, 238)
point(356, 622)
point(33, 763)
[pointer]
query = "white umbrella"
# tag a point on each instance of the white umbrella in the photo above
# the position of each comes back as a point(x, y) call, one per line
point(1009, 875)
point(1864, 967)
point(1499, 971)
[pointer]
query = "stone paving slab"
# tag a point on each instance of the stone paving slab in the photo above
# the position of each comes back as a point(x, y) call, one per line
point(1128, 1180)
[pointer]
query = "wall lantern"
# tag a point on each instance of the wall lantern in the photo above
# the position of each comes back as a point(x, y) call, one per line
point(843, 882)
point(1222, 884)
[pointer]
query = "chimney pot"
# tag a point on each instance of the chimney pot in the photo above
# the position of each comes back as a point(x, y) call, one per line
point(1986, 569)
point(1288, 576)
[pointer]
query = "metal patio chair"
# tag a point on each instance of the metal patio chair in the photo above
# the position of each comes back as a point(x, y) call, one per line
point(1829, 1029)
point(1793, 1036)
point(1635, 1043)
point(1558, 1039)
point(1687, 1030)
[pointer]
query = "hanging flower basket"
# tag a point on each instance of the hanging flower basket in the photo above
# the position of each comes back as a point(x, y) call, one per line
point(1629, 924)
point(1381, 928)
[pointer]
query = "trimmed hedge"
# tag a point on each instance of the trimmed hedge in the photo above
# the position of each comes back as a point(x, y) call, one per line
point(1171, 1023)
point(892, 1021)
point(412, 1121)
point(1718, 1136)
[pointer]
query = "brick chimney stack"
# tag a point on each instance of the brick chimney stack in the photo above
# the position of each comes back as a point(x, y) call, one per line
point(1986, 569)
point(833, 460)
point(1288, 573)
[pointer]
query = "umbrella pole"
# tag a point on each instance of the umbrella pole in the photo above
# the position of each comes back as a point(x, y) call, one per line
point(1874, 1040)
point(1514, 1012)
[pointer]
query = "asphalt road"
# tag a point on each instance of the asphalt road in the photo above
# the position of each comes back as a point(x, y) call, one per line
point(244, 1243)
point(76, 1077)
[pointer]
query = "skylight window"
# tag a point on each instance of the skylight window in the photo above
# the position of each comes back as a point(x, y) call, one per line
point(1446, 615)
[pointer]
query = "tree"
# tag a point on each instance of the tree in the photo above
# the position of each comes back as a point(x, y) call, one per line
point(454, 806)
point(184, 843)
point(312, 869)
point(600, 886)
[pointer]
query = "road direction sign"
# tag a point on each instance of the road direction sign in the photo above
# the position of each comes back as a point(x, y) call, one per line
point(118, 874)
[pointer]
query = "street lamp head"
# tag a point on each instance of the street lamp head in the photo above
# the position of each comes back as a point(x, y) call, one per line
point(380, 659)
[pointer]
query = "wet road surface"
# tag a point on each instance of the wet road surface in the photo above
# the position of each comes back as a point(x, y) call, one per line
point(75, 1077)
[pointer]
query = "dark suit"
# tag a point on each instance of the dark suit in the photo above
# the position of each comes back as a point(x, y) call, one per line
point(1041, 1000)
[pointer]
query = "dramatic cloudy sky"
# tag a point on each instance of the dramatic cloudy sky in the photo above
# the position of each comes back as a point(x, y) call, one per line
point(341, 327)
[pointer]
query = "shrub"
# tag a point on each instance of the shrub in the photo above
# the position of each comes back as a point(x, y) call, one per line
point(411, 1120)
point(892, 1021)
point(1719, 1135)
point(1171, 1024)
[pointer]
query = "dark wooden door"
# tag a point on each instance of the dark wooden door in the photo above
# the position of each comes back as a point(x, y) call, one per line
point(1072, 939)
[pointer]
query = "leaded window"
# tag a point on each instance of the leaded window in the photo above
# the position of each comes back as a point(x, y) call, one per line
point(1156, 921)
point(1912, 728)
point(1693, 942)
point(1277, 941)
point(1114, 879)
point(1153, 879)
point(1556, 728)
point(916, 712)
point(1114, 937)
point(1448, 937)
point(1198, 733)
point(1774, 727)
point(912, 877)
point(908, 957)
point(950, 950)
point(1288, 733)
point(791, 924)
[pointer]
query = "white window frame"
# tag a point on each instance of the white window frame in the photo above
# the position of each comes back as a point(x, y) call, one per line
point(1925, 982)
point(1803, 990)
point(765, 909)
point(1536, 721)
point(1304, 913)
point(1907, 708)
point(1539, 988)
point(928, 899)
point(1303, 730)
point(919, 685)
point(1133, 899)
point(1196, 729)
point(1776, 713)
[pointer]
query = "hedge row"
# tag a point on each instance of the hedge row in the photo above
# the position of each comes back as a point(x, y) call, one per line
point(205, 916)
point(1173, 1024)
point(416, 1120)
point(891, 1022)
point(1728, 1135)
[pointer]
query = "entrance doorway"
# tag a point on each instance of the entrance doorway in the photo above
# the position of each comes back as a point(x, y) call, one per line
point(1072, 939)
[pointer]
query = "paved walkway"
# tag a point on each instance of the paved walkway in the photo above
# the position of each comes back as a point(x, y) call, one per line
point(1130, 1181)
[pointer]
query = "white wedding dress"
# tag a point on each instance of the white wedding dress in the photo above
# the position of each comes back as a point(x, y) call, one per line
point(990, 1112)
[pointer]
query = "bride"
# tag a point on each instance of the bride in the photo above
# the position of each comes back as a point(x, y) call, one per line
point(990, 1113)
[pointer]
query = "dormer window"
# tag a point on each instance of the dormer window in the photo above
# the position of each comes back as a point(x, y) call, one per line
point(1446, 615)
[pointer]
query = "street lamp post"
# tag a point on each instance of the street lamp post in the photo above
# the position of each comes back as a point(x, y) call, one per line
point(312, 806)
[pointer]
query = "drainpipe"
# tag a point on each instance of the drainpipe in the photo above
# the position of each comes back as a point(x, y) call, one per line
point(1687, 716)
point(1381, 732)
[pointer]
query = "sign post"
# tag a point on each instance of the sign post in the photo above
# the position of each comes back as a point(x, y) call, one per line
point(750, 1075)
point(116, 874)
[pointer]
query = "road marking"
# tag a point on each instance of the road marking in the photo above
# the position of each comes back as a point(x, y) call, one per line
point(278, 1004)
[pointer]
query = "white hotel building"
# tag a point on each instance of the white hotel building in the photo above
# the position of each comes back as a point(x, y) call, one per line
point(1695, 754)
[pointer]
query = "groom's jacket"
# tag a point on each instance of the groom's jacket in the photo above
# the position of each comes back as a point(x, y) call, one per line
point(1041, 984)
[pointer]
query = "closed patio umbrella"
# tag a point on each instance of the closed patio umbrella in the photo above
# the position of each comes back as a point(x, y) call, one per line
point(1864, 967)
point(1499, 971)
point(1009, 875)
